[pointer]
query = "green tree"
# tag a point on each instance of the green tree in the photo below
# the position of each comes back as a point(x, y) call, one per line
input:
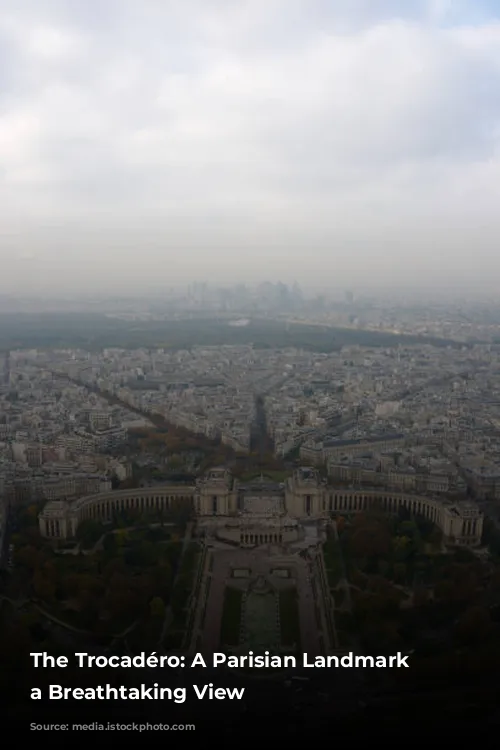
point(372, 540)
point(474, 625)
point(88, 533)
point(400, 572)
point(43, 587)
point(444, 591)
point(27, 557)
point(121, 537)
point(175, 462)
point(157, 607)
point(110, 543)
point(161, 577)
point(402, 548)
point(122, 604)
point(407, 528)
point(115, 566)
point(69, 585)
point(420, 596)
point(436, 537)
point(142, 554)
point(383, 568)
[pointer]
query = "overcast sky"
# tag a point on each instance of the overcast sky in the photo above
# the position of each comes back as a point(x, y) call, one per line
point(329, 141)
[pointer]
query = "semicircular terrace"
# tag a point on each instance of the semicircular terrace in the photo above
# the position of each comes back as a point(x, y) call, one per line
point(460, 522)
point(61, 519)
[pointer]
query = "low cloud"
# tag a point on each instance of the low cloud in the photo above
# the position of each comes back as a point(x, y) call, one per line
point(347, 135)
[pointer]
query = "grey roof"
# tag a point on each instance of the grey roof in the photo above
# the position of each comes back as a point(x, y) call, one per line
point(367, 439)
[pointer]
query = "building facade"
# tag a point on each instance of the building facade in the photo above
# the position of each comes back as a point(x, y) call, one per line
point(323, 452)
point(262, 512)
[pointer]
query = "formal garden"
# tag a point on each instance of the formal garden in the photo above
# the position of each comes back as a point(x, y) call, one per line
point(261, 620)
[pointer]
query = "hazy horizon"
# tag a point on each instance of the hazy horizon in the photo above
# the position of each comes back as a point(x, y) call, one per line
point(150, 144)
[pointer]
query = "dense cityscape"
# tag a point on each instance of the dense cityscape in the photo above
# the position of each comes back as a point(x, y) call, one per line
point(149, 493)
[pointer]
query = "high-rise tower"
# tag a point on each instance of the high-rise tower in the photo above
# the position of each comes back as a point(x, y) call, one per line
point(6, 369)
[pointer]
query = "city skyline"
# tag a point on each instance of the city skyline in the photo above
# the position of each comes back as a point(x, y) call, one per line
point(299, 141)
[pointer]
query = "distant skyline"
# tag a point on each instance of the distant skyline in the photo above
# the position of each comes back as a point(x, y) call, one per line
point(153, 143)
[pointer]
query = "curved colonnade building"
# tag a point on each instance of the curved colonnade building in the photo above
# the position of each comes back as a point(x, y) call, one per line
point(261, 512)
